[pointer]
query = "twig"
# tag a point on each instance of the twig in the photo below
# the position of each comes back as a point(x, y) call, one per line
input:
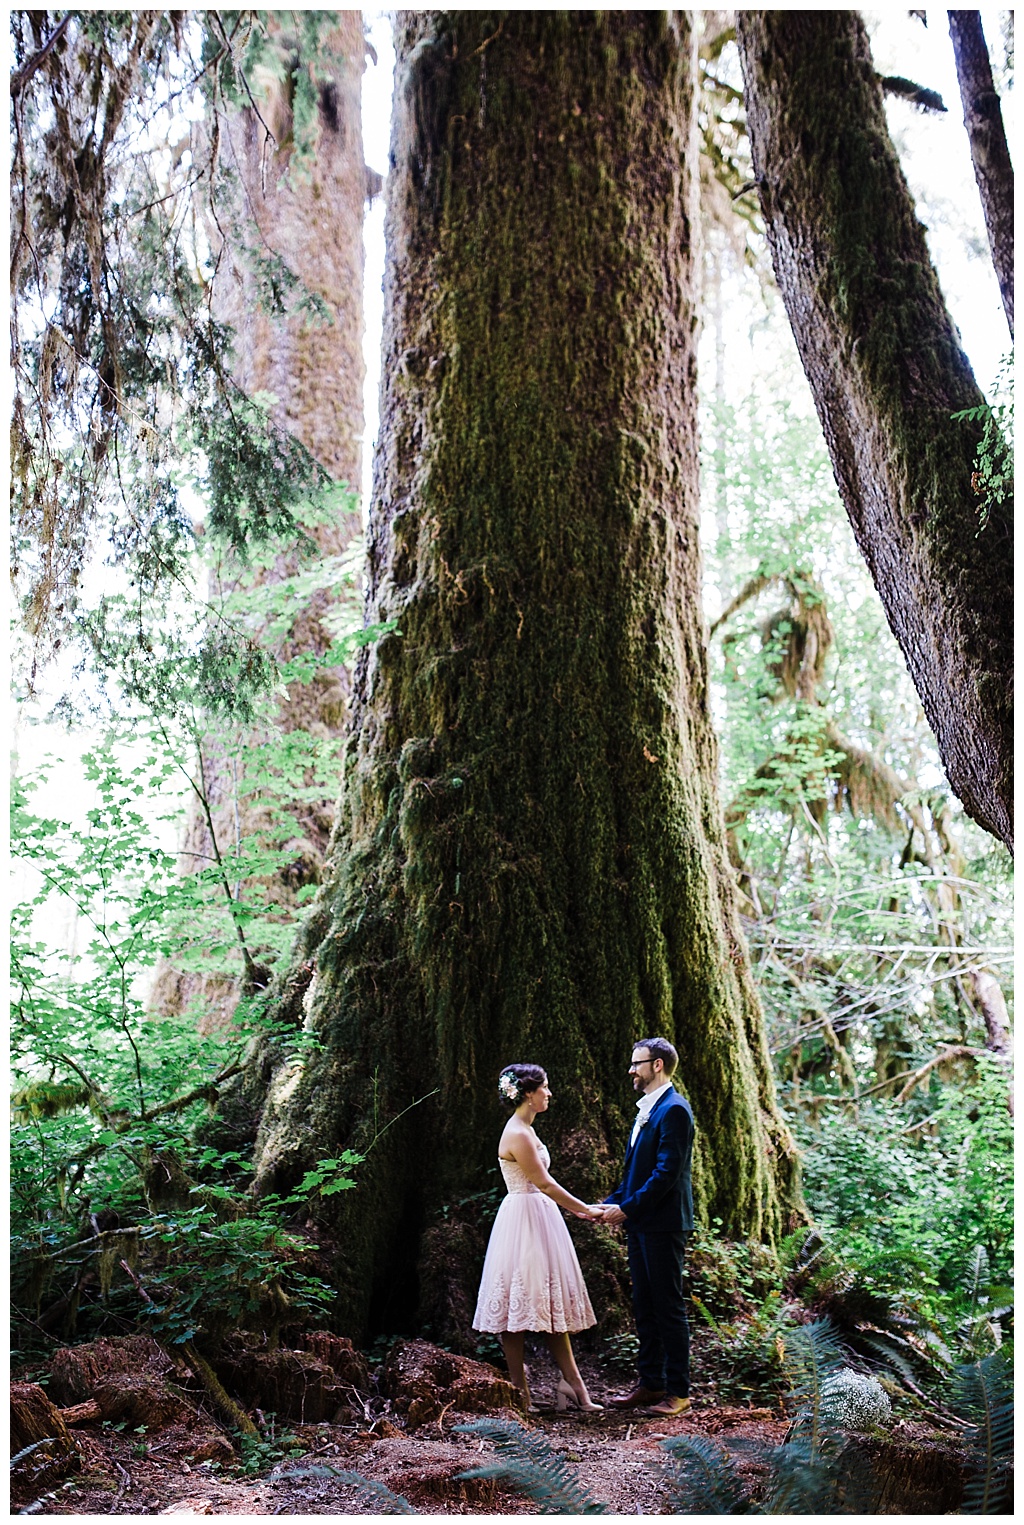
point(441, 1415)
point(198, 1093)
point(25, 73)
point(957, 1051)
point(488, 40)
point(140, 1289)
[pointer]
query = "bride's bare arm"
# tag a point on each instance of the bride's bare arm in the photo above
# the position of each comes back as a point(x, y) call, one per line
point(522, 1147)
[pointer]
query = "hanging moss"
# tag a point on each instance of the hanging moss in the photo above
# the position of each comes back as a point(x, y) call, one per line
point(529, 859)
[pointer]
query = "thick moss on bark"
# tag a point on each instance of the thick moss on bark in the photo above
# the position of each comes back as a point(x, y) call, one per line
point(887, 372)
point(529, 859)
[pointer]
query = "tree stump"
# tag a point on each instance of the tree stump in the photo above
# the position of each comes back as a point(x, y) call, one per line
point(293, 1384)
point(423, 1381)
point(347, 1363)
point(917, 1472)
point(33, 1419)
point(76, 1371)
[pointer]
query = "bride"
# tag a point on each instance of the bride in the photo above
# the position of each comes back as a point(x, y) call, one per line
point(531, 1278)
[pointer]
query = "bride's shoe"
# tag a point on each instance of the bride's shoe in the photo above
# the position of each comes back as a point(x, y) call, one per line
point(567, 1397)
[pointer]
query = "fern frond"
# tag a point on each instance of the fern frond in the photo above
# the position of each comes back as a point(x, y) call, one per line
point(791, 1248)
point(374, 1497)
point(509, 1438)
point(27, 1450)
point(833, 1477)
point(542, 1485)
point(799, 1482)
point(898, 1264)
point(532, 1465)
point(891, 1351)
point(706, 1315)
point(984, 1391)
point(812, 1354)
point(702, 1478)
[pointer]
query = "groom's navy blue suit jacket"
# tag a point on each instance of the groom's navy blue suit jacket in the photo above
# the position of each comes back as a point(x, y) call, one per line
point(655, 1192)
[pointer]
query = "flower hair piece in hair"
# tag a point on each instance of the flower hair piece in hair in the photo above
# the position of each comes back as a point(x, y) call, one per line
point(508, 1086)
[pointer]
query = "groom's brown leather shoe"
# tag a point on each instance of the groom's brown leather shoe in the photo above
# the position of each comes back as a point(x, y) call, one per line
point(670, 1404)
point(639, 1398)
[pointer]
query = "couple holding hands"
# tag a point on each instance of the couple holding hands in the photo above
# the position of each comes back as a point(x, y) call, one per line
point(532, 1279)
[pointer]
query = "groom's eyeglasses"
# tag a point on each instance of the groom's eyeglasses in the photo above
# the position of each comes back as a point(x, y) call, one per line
point(639, 1062)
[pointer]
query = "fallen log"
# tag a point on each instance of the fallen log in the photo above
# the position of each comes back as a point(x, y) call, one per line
point(82, 1413)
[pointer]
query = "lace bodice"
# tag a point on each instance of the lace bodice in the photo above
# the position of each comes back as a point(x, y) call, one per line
point(516, 1179)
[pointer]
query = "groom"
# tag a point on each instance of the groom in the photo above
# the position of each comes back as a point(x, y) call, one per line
point(655, 1202)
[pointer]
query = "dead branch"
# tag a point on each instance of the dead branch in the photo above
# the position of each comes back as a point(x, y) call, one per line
point(954, 1051)
point(232, 1411)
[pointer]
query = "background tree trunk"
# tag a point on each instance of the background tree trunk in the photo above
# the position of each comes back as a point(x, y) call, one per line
point(887, 372)
point(311, 220)
point(529, 859)
point(983, 119)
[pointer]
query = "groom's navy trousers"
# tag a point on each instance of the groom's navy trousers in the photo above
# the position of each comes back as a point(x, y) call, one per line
point(657, 1199)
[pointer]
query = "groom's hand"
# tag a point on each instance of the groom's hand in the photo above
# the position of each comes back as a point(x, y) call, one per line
point(613, 1214)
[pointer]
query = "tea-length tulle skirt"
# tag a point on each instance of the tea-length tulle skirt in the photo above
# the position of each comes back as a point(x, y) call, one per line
point(531, 1277)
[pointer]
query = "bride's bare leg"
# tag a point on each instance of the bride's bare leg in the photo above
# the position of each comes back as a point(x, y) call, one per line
point(561, 1348)
point(513, 1343)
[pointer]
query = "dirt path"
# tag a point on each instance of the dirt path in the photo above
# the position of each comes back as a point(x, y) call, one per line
point(616, 1457)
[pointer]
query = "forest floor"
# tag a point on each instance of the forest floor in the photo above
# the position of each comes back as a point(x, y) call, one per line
point(616, 1457)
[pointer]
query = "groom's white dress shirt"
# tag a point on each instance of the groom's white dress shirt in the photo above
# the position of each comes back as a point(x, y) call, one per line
point(644, 1107)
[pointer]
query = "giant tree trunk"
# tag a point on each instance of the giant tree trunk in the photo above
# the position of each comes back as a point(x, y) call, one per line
point(983, 119)
point(887, 372)
point(529, 861)
point(310, 219)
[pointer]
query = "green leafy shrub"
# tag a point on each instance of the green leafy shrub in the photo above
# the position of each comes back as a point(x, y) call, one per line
point(926, 1224)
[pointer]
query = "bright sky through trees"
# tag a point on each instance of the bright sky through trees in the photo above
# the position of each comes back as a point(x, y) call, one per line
point(936, 158)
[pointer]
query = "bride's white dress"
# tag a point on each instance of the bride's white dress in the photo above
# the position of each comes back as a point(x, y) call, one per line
point(531, 1277)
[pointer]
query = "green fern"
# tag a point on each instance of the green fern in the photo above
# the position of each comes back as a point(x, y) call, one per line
point(832, 1477)
point(27, 1450)
point(374, 1497)
point(799, 1481)
point(885, 1349)
point(984, 1391)
point(529, 1463)
point(813, 1353)
point(702, 1478)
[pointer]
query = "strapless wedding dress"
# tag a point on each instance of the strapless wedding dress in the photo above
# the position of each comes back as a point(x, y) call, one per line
point(531, 1277)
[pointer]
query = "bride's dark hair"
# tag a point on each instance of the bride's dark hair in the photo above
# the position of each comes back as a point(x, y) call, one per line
point(524, 1077)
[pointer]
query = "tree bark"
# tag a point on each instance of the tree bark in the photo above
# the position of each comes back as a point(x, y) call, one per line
point(887, 372)
point(983, 119)
point(312, 220)
point(529, 859)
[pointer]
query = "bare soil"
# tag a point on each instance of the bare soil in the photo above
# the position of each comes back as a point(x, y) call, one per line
point(616, 1456)
point(617, 1459)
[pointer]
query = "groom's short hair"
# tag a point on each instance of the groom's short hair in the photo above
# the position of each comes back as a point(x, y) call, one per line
point(660, 1048)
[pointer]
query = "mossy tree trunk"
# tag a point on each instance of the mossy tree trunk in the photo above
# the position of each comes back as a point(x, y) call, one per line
point(887, 372)
point(310, 219)
point(990, 154)
point(529, 860)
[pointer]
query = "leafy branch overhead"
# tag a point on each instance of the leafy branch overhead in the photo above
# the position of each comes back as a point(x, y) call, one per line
point(123, 384)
